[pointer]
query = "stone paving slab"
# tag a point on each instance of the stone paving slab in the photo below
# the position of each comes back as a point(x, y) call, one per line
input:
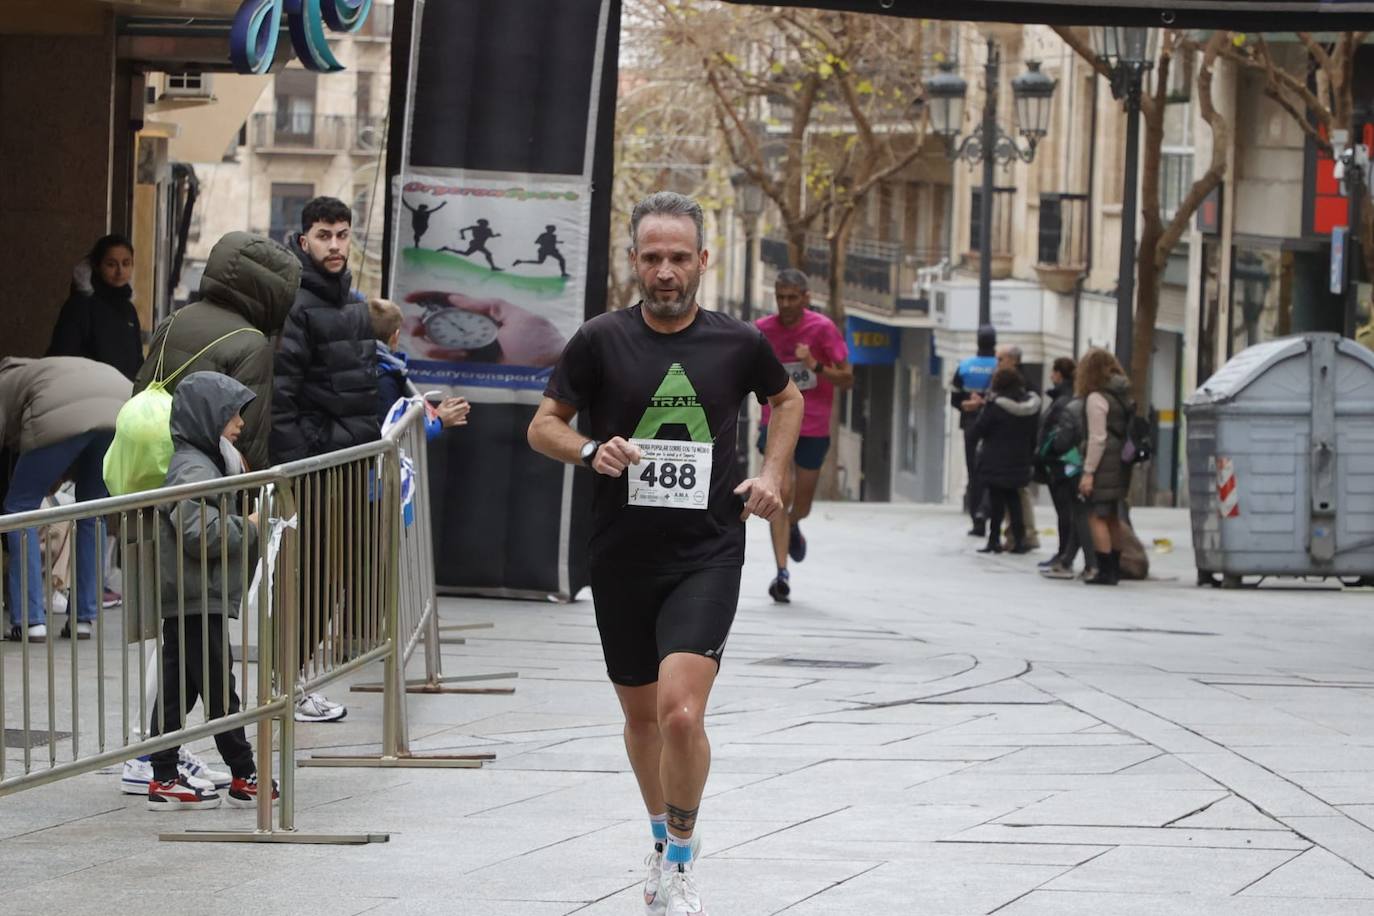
point(1080, 903)
point(1173, 870)
point(1021, 747)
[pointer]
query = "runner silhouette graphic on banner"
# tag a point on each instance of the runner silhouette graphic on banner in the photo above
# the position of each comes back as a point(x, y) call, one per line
point(548, 248)
point(481, 234)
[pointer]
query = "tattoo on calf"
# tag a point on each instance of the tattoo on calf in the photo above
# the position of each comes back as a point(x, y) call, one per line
point(683, 820)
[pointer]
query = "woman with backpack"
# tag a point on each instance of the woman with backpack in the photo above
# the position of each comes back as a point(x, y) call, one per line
point(1108, 410)
point(245, 294)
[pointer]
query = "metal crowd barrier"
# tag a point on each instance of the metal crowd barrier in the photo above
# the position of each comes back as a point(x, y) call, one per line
point(364, 592)
point(418, 612)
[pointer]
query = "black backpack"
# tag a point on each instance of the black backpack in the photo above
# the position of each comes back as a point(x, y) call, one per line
point(1137, 440)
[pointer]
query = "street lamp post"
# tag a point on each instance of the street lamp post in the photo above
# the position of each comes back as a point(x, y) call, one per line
point(1126, 51)
point(988, 144)
point(749, 207)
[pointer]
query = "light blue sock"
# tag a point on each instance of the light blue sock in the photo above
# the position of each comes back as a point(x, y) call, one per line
point(679, 850)
point(658, 823)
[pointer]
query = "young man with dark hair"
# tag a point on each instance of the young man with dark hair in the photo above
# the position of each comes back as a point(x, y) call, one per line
point(325, 384)
point(660, 384)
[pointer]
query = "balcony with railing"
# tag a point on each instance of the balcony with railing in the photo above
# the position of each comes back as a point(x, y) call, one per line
point(1062, 251)
point(879, 275)
point(290, 133)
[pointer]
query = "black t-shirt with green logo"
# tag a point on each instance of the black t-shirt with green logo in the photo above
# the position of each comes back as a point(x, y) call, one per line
point(629, 380)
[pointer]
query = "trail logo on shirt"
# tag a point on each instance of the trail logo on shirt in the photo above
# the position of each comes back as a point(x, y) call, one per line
point(675, 403)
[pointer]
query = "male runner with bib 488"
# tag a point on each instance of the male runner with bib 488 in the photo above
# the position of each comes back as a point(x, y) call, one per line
point(660, 386)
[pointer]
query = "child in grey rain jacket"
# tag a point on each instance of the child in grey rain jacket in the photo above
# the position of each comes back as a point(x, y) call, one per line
point(206, 421)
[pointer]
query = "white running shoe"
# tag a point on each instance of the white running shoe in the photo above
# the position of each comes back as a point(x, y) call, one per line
point(139, 772)
point(315, 708)
point(655, 903)
point(684, 899)
point(195, 768)
point(655, 885)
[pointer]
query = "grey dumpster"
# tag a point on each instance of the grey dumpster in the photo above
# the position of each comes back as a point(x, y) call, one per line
point(1281, 462)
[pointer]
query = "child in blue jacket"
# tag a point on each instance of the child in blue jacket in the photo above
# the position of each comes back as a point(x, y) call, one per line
point(392, 371)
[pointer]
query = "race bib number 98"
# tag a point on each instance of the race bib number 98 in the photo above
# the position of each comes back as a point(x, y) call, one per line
point(804, 377)
point(670, 475)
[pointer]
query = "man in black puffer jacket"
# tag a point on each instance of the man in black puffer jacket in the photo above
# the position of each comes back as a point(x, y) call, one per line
point(325, 384)
point(324, 399)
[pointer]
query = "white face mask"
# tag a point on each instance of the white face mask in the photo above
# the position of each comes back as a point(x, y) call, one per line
point(233, 461)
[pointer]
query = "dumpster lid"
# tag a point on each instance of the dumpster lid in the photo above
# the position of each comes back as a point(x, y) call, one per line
point(1247, 366)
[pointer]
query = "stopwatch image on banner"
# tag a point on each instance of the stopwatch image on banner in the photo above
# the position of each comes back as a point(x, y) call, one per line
point(489, 277)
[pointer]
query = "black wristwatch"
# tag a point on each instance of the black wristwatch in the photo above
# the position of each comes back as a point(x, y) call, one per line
point(589, 451)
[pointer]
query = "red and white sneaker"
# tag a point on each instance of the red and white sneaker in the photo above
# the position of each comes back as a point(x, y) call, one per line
point(180, 795)
point(243, 793)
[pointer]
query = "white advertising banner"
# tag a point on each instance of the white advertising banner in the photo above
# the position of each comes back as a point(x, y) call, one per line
point(490, 278)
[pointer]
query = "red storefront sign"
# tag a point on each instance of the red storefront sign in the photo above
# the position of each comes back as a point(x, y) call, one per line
point(1329, 208)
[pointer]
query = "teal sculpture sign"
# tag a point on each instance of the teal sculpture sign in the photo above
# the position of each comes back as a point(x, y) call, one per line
point(257, 25)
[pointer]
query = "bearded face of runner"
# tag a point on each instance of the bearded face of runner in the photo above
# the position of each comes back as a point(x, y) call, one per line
point(668, 264)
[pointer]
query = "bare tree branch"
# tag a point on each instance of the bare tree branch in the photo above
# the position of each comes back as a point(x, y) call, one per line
point(1316, 50)
point(1083, 50)
point(1221, 140)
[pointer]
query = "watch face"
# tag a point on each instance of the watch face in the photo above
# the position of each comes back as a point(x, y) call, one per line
point(455, 329)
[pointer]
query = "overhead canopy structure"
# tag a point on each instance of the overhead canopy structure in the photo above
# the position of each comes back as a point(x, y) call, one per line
point(1240, 15)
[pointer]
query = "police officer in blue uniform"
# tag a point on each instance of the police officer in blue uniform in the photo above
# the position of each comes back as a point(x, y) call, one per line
point(971, 381)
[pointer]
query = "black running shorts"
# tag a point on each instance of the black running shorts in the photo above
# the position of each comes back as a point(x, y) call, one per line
point(645, 618)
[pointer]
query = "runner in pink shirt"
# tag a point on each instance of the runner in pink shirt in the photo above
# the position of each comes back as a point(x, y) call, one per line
point(810, 347)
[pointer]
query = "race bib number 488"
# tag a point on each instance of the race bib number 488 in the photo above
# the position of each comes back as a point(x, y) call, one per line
point(670, 475)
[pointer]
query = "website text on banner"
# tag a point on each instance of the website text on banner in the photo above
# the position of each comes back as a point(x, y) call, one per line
point(489, 280)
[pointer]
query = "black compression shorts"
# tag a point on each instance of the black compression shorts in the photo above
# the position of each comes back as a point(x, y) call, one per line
point(645, 618)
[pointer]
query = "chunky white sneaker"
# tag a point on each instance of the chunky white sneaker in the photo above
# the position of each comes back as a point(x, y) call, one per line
point(684, 899)
point(193, 767)
point(315, 708)
point(655, 903)
point(656, 885)
point(139, 772)
point(136, 776)
point(37, 633)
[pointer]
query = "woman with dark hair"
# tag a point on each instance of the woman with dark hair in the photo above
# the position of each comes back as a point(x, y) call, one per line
point(99, 320)
point(1108, 407)
point(1005, 432)
point(1060, 459)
